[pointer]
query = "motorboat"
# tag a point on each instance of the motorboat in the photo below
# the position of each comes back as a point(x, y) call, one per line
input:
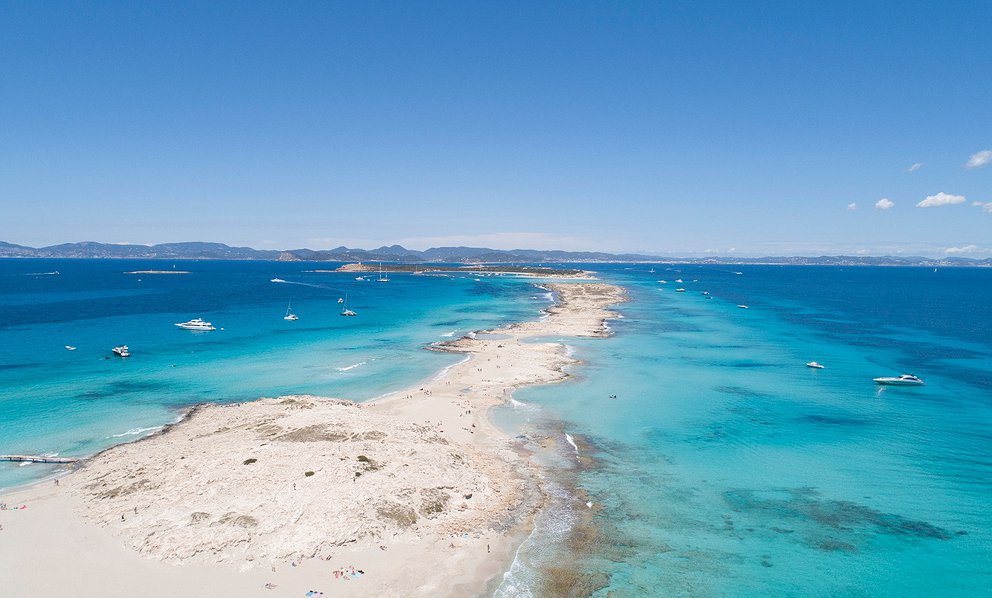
point(196, 324)
point(679, 290)
point(813, 364)
point(742, 306)
point(359, 278)
point(903, 380)
point(121, 351)
point(706, 292)
point(70, 348)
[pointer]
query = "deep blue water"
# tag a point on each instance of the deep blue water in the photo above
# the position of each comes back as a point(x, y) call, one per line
point(724, 467)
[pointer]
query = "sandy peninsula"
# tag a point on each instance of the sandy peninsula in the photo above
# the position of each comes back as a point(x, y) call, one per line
point(413, 494)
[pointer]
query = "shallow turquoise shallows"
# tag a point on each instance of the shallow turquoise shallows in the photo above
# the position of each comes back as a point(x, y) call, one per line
point(723, 466)
point(726, 467)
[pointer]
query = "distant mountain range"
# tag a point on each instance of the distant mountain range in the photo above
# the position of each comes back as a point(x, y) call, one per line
point(468, 255)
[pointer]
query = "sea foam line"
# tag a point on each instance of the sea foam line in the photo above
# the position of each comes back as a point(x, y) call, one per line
point(351, 367)
point(571, 441)
point(136, 431)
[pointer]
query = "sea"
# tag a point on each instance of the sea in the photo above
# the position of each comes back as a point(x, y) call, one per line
point(691, 453)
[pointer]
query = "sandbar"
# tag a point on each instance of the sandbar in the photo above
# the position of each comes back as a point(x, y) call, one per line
point(415, 493)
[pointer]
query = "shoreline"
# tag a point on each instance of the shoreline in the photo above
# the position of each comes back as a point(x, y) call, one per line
point(439, 499)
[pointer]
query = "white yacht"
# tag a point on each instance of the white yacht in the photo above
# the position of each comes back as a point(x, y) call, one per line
point(815, 365)
point(121, 351)
point(742, 306)
point(289, 314)
point(196, 324)
point(679, 290)
point(359, 278)
point(904, 380)
point(70, 348)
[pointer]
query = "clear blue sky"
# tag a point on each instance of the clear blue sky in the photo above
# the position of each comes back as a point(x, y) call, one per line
point(680, 128)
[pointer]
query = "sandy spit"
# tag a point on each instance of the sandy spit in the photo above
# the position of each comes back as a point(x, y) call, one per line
point(413, 494)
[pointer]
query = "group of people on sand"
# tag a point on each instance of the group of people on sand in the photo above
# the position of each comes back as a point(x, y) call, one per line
point(348, 572)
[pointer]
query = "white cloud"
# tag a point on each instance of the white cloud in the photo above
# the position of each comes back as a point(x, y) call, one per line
point(979, 159)
point(962, 249)
point(884, 204)
point(941, 199)
point(985, 205)
point(915, 167)
point(852, 206)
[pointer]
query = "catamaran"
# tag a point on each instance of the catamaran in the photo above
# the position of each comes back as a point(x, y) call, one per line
point(344, 310)
point(289, 313)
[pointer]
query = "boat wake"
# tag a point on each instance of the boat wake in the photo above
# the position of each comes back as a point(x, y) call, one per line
point(351, 367)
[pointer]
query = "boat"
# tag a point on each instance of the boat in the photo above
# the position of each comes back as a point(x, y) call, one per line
point(813, 364)
point(289, 313)
point(706, 292)
point(679, 290)
point(903, 380)
point(359, 278)
point(277, 280)
point(345, 311)
point(70, 348)
point(678, 280)
point(742, 306)
point(121, 351)
point(196, 324)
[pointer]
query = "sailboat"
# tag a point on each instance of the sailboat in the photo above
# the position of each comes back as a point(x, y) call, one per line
point(289, 313)
point(345, 311)
point(383, 277)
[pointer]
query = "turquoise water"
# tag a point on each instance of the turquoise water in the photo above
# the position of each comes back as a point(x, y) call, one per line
point(74, 403)
point(725, 467)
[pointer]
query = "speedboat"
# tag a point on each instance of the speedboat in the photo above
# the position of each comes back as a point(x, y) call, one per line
point(196, 324)
point(121, 351)
point(904, 380)
point(70, 348)
point(359, 278)
point(742, 306)
point(813, 364)
point(679, 290)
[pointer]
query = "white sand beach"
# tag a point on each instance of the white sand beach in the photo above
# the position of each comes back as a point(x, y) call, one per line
point(413, 494)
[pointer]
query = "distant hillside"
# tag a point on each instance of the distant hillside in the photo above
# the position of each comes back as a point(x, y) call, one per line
point(466, 255)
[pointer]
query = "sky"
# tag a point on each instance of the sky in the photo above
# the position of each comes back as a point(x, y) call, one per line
point(674, 128)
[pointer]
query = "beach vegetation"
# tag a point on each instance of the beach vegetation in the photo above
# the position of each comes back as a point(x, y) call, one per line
point(308, 473)
point(250, 461)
